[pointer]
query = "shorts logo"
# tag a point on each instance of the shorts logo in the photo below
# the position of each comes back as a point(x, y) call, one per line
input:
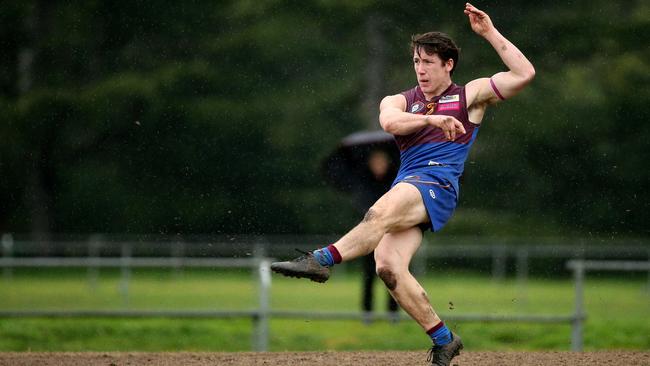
point(417, 107)
point(432, 194)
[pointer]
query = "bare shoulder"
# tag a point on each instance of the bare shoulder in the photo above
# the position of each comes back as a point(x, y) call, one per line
point(394, 101)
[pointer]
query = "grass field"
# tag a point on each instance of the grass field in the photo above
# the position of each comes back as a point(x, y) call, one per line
point(618, 312)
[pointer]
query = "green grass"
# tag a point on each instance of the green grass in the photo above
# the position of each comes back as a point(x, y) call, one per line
point(618, 310)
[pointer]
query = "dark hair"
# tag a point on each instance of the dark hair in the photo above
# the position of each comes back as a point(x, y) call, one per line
point(436, 43)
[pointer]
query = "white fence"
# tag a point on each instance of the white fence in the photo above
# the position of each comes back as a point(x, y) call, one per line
point(260, 316)
point(264, 313)
point(258, 262)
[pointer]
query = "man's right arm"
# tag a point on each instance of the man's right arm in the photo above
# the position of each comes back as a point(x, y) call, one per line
point(396, 121)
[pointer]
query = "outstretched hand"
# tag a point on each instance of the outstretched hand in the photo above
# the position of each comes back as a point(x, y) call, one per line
point(478, 19)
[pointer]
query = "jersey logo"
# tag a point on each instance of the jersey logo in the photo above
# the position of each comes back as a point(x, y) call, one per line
point(455, 106)
point(417, 107)
point(449, 103)
point(432, 194)
point(449, 99)
point(431, 108)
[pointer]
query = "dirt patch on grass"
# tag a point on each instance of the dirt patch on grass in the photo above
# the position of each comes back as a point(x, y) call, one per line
point(629, 358)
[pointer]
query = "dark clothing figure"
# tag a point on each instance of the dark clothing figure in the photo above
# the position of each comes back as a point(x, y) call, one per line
point(381, 172)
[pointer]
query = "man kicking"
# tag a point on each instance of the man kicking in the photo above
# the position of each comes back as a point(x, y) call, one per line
point(434, 125)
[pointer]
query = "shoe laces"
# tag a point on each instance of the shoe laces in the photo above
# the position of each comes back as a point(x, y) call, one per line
point(303, 256)
point(302, 251)
point(434, 356)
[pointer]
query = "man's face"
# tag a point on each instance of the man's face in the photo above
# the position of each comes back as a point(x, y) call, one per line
point(430, 70)
point(379, 163)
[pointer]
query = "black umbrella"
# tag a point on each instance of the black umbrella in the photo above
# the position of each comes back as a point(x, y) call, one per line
point(364, 165)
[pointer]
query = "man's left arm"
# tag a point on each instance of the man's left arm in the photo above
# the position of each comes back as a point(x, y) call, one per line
point(502, 85)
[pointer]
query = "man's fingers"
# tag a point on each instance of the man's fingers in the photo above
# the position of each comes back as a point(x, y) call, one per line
point(460, 128)
point(469, 8)
point(452, 127)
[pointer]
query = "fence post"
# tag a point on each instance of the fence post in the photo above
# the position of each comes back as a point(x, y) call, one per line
point(125, 271)
point(261, 328)
point(522, 272)
point(648, 287)
point(578, 267)
point(499, 257)
point(7, 251)
point(178, 253)
point(94, 242)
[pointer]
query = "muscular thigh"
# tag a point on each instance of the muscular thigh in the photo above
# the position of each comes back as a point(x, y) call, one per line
point(401, 208)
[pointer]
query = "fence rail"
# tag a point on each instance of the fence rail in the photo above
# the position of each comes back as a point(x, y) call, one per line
point(278, 314)
point(504, 254)
point(260, 316)
point(132, 262)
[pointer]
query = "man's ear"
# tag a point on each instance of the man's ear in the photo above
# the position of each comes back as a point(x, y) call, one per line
point(449, 64)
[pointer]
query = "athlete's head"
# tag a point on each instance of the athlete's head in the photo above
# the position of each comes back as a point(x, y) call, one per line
point(436, 43)
point(435, 56)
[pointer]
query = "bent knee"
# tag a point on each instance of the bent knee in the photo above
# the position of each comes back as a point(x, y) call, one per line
point(389, 277)
point(372, 215)
point(379, 217)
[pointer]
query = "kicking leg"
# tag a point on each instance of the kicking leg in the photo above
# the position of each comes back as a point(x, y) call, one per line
point(398, 209)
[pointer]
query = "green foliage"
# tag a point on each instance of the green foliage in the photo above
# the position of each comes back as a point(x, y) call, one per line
point(204, 117)
point(570, 147)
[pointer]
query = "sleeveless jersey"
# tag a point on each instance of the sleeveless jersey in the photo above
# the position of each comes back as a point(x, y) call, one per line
point(428, 149)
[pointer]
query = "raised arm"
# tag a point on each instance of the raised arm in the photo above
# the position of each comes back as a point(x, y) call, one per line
point(395, 120)
point(502, 85)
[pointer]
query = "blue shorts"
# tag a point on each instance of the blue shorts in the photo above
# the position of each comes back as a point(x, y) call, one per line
point(438, 195)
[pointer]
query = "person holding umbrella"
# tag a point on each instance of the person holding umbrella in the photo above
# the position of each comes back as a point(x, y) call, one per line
point(364, 166)
point(434, 124)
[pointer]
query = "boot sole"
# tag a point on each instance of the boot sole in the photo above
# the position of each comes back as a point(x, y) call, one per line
point(310, 276)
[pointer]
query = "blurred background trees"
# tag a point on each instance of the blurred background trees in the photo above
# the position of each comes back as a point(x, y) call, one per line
point(203, 117)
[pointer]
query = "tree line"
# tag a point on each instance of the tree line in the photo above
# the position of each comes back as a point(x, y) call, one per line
point(212, 117)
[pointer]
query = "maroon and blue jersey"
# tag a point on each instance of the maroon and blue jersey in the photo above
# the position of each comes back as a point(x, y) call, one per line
point(428, 150)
